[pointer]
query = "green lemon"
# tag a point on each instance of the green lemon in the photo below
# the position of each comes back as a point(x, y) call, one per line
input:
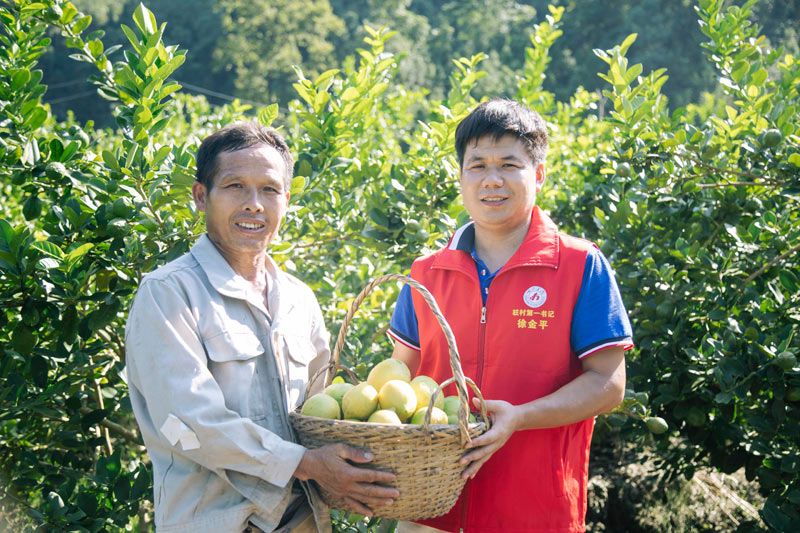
point(322, 406)
point(399, 396)
point(69, 324)
point(384, 416)
point(786, 360)
point(771, 138)
point(696, 417)
point(337, 391)
point(424, 387)
point(450, 405)
point(656, 424)
point(23, 339)
point(117, 227)
point(437, 416)
point(387, 370)
point(121, 208)
point(32, 207)
point(413, 226)
point(55, 170)
point(360, 401)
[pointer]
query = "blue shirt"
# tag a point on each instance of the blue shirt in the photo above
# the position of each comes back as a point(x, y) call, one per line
point(598, 319)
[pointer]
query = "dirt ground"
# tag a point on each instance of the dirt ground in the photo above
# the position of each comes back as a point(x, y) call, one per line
point(627, 494)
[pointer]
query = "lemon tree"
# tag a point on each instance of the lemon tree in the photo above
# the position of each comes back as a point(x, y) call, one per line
point(696, 208)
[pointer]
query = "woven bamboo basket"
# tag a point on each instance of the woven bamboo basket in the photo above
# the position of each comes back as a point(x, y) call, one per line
point(423, 457)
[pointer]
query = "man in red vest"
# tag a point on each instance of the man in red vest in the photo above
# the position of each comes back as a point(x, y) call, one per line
point(540, 327)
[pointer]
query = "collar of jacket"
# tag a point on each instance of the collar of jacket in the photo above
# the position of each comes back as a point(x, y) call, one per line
point(228, 283)
point(539, 248)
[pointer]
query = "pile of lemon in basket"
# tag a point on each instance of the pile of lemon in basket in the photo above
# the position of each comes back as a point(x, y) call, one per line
point(389, 396)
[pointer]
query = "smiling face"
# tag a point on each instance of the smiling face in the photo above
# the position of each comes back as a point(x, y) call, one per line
point(245, 206)
point(499, 182)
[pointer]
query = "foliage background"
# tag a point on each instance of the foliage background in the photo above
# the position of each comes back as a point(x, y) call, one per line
point(694, 204)
point(247, 49)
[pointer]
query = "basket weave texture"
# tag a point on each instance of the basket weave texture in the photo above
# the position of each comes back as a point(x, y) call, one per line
point(423, 457)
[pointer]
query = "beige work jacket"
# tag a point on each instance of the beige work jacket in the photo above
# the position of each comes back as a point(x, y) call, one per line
point(212, 376)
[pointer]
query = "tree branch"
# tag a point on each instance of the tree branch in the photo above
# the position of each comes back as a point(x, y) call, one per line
point(125, 433)
point(761, 270)
point(736, 184)
point(720, 170)
point(98, 397)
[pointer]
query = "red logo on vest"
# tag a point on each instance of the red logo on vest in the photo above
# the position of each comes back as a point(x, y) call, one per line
point(535, 297)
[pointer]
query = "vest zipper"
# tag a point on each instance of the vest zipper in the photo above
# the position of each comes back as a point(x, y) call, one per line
point(481, 343)
point(478, 380)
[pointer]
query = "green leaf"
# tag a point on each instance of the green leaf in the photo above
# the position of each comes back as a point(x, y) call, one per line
point(142, 115)
point(19, 79)
point(268, 115)
point(111, 160)
point(325, 76)
point(632, 73)
point(788, 280)
point(298, 184)
point(6, 234)
point(167, 90)
point(141, 485)
point(739, 69)
point(774, 517)
point(32, 8)
point(160, 155)
point(181, 177)
point(81, 24)
point(794, 159)
point(349, 94)
point(723, 398)
point(30, 154)
point(56, 149)
point(39, 370)
point(144, 20)
point(95, 47)
point(132, 38)
point(75, 255)
point(35, 118)
point(759, 77)
point(629, 40)
point(168, 68)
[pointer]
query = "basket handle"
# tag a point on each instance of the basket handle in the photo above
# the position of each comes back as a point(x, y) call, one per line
point(463, 405)
point(455, 360)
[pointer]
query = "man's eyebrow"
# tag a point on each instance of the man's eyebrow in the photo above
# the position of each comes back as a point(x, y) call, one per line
point(509, 157)
point(233, 174)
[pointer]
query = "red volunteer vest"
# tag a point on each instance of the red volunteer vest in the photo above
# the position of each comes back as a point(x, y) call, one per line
point(537, 481)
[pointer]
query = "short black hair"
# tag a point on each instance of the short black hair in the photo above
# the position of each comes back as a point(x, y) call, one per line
point(499, 117)
point(239, 136)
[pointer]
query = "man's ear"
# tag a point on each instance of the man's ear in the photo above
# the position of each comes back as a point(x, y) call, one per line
point(199, 195)
point(540, 176)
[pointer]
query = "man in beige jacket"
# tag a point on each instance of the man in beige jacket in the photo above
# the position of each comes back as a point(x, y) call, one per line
point(220, 346)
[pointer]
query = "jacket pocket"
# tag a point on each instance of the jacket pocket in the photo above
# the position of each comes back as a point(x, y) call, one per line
point(233, 346)
point(300, 352)
point(233, 361)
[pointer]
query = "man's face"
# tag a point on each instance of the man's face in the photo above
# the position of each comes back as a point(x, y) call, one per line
point(245, 206)
point(499, 183)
